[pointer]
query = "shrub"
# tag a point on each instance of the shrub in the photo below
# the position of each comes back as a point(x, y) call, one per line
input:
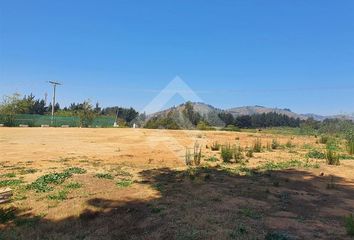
point(349, 225)
point(215, 146)
point(275, 144)
point(332, 156)
point(289, 144)
point(238, 153)
point(257, 146)
point(350, 142)
point(324, 139)
point(316, 154)
point(226, 153)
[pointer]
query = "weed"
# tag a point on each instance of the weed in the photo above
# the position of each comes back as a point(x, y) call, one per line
point(241, 230)
point(73, 185)
point(7, 214)
point(332, 156)
point(226, 153)
point(104, 176)
point(212, 159)
point(316, 154)
point(8, 175)
point(289, 144)
point(10, 183)
point(324, 139)
point(124, 183)
point(215, 146)
point(42, 183)
point(277, 236)
point(75, 170)
point(331, 184)
point(60, 196)
point(257, 146)
point(349, 225)
point(250, 213)
point(275, 144)
point(249, 153)
point(195, 158)
point(28, 171)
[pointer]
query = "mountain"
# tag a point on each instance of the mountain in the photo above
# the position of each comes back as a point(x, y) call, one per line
point(211, 113)
point(251, 110)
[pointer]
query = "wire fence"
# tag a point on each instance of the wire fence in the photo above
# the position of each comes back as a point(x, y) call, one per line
point(34, 120)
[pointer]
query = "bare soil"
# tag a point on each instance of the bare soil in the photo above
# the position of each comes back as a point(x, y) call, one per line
point(163, 198)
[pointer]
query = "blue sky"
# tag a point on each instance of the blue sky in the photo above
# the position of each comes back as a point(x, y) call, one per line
point(287, 54)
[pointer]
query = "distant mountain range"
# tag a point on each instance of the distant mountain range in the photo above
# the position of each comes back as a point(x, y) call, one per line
point(209, 110)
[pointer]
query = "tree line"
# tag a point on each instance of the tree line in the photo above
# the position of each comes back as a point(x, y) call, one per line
point(29, 104)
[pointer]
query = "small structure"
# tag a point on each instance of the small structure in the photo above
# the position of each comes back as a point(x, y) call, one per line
point(1, 125)
point(23, 125)
point(5, 195)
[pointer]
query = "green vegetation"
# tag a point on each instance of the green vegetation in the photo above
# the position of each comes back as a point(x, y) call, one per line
point(73, 185)
point(350, 142)
point(275, 144)
point(271, 166)
point(7, 214)
point(42, 184)
point(10, 183)
point(331, 155)
point(195, 157)
point(104, 176)
point(215, 146)
point(349, 225)
point(124, 183)
point(60, 196)
point(257, 146)
point(212, 159)
point(316, 154)
point(229, 153)
point(75, 170)
point(8, 175)
point(277, 236)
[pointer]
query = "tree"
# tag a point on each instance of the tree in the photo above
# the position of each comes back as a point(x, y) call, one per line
point(86, 114)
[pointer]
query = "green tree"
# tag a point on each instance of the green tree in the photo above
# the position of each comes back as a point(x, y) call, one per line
point(86, 114)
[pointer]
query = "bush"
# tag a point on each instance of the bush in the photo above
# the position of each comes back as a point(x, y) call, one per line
point(275, 144)
point(349, 225)
point(332, 156)
point(316, 154)
point(324, 139)
point(257, 146)
point(226, 153)
point(350, 142)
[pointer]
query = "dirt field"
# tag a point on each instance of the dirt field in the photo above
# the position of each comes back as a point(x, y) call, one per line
point(134, 184)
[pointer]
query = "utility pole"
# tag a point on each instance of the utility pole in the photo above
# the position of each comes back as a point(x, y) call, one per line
point(53, 102)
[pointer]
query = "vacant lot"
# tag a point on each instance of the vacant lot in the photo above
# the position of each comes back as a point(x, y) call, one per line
point(134, 184)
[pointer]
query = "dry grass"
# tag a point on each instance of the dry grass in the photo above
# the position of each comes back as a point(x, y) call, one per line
point(151, 194)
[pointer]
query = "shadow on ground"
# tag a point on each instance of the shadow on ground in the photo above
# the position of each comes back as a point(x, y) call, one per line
point(207, 203)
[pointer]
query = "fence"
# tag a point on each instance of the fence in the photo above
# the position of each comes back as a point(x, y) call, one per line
point(34, 120)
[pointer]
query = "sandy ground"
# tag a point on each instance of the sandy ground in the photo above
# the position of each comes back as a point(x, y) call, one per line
point(164, 201)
